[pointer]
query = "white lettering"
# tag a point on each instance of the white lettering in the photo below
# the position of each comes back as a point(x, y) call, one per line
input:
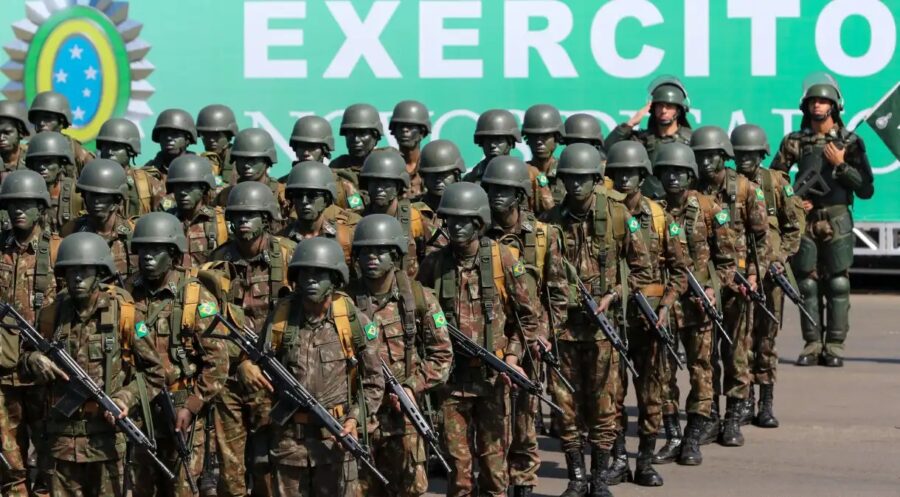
point(737, 118)
point(439, 123)
point(787, 118)
point(696, 38)
point(882, 44)
point(362, 40)
point(603, 38)
point(763, 15)
point(433, 37)
point(518, 39)
point(258, 37)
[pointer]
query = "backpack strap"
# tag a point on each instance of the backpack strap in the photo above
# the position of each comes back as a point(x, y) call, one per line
point(142, 185)
point(276, 257)
point(541, 236)
point(43, 275)
point(768, 187)
point(410, 315)
point(598, 237)
point(659, 218)
point(731, 184)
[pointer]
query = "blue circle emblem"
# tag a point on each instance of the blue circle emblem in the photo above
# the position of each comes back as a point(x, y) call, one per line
point(77, 74)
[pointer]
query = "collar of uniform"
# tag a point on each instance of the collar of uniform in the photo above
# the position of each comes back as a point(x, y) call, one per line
point(101, 304)
point(644, 209)
point(170, 285)
point(204, 211)
point(10, 242)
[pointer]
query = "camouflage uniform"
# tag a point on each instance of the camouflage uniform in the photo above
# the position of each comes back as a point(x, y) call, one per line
point(145, 192)
point(118, 238)
point(547, 191)
point(158, 166)
point(306, 462)
point(347, 168)
point(81, 154)
point(418, 233)
point(277, 190)
point(195, 371)
point(427, 206)
point(475, 400)
point(420, 355)
point(549, 295)
point(261, 280)
point(27, 283)
point(223, 167)
point(14, 161)
point(338, 224)
point(348, 195)
point(88, 452)
point(205, 232)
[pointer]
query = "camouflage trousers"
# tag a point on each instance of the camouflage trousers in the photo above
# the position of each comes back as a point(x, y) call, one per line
point(149, 482)
point(480, 426)
point(401, 459)
point(593, 369)
point(698, 347)
point(523, 459)
point(321, 480)
point(86, 479)
point(647, 354)
point(15, 440)
point(235, 411)
point(732, 378)
point(764, 357)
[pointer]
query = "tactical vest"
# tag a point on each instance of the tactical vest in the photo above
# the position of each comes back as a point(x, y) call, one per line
point(140, 196)
point(47, 248)
point(698, 208)
point(652, 231)
point(811, 157)
point(63, 208)
point(531, 243)
point(215, 228)
point(411, 221)
point(599, 244)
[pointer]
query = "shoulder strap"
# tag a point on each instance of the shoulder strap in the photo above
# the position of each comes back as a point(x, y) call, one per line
point(540, 246)
point(768, 186)
point(343, 322)
point(417, 228)
point(190, 299)
point(43, 275)
point(221, 227)
point(142, 185)
point(659, 218)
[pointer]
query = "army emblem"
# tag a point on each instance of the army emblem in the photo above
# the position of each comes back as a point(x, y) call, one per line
point(439, 319)
point(883, 121)
point(633, 225)
point(723, 217)
point(542, 180)
point(674, 229)
point(759, 194)
point(371, 331)
point(788, 191)
point(354, 201)
point(88, 51)
point(141, 330)
point(518, 269)
point(208, 309)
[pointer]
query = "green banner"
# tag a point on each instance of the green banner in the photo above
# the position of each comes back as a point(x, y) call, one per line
point(274, 61)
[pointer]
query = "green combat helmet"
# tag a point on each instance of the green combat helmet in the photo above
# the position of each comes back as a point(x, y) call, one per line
point(676, 154)
point(465, 199)
point(24, 184)
point(191, 169)
point(821, 85)
point(252, 196)
point(103, 176)
point(313, 129)
point(440, 156)
point(175, 119)
point(580, 159)
point(582, 128)
point(362, 116)
point(15, 112)
point(384, 164)
point(54, 103)
point(540, 119)
point(629, 155)
point(254, 142)
point(749, 138)
point(314, 176)
point(84, 249)
point(321, 253)
point(217, 117)
point(497, 122)
point(508, 171)
point(411, 112)
point(50, 144)
point(159, 228)
point(711, 138)
point(123, 131)
point(669, 89)
point(380, 230)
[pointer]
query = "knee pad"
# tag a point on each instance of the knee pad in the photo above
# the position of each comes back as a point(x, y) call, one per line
point(839, 286)
point(808, 287)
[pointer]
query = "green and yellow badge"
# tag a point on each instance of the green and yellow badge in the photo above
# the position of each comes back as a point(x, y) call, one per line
point(371, 331)
point(633, 224)
point(354, 201)
point(542, 179)
point(759, 194)
point(208, 309)
point(141, 330)
point(439, 319)
point(518, 269)
point(674, 229)
point(723, 217)
point(788, 191)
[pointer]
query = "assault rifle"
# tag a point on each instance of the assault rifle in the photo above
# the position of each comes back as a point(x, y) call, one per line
point(663, 333)
point(714, 315)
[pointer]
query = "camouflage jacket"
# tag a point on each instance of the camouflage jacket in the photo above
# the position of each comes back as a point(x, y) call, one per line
point(337, 224)
point(347, 167)
point(118, 238)
point(647, 137)
point(427, 206)
point(82, 157)
point(418, 232)
point(195, 366)
point(546, 189)
point(145, 192)
point(205, 232)
point(474, 175)
point(66, 204)
point(158, 166)
point(15, 161)
point(785, 215)
point(223, 167)
point(416, 347)
point(744, 208)
point(112, 355)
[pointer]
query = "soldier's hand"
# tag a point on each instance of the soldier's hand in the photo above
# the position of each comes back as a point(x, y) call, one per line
point(711, 294)
point(778, 267)
point(662, 316)
point(639, 115)
point(109, 417)
point(350, 428)
point(753, 284)
point(183, 420)
point(395, 401)
point(514, 362)
point(253, 377)
point(605, 302)
point(834, 155)
point(536, 347)
point(44, 369)
point(807, 206)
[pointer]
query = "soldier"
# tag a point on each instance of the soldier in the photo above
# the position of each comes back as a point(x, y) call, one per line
point(312, 191)
point(259, 260)
point(410, 125)
point(668, 107)
point(651, 259)
point(745, 211)
point(217, 126)
point(497, 133)
point(586, 357)
point(508, 185)
point(174, 131)
point(120, 140)
point(542, 128)
point(440, 165)
point(103, 185)
point(13, 132)
point(583, 128)
point(361, 128)
point(710, 245)
point(785, 221)
point(254, 154)
point(480, 285)
point(311, 140)
point(826, 248)
point(339, 367)
point(192, 186)
point(49, 155)
point(385, 179)
point(50, 111)
point(26, 283)
point(178, 310)
point(87, 450)
point(416, 347)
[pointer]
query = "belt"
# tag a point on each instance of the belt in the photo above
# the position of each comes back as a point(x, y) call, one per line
point(305, 418)
point(653, 290)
